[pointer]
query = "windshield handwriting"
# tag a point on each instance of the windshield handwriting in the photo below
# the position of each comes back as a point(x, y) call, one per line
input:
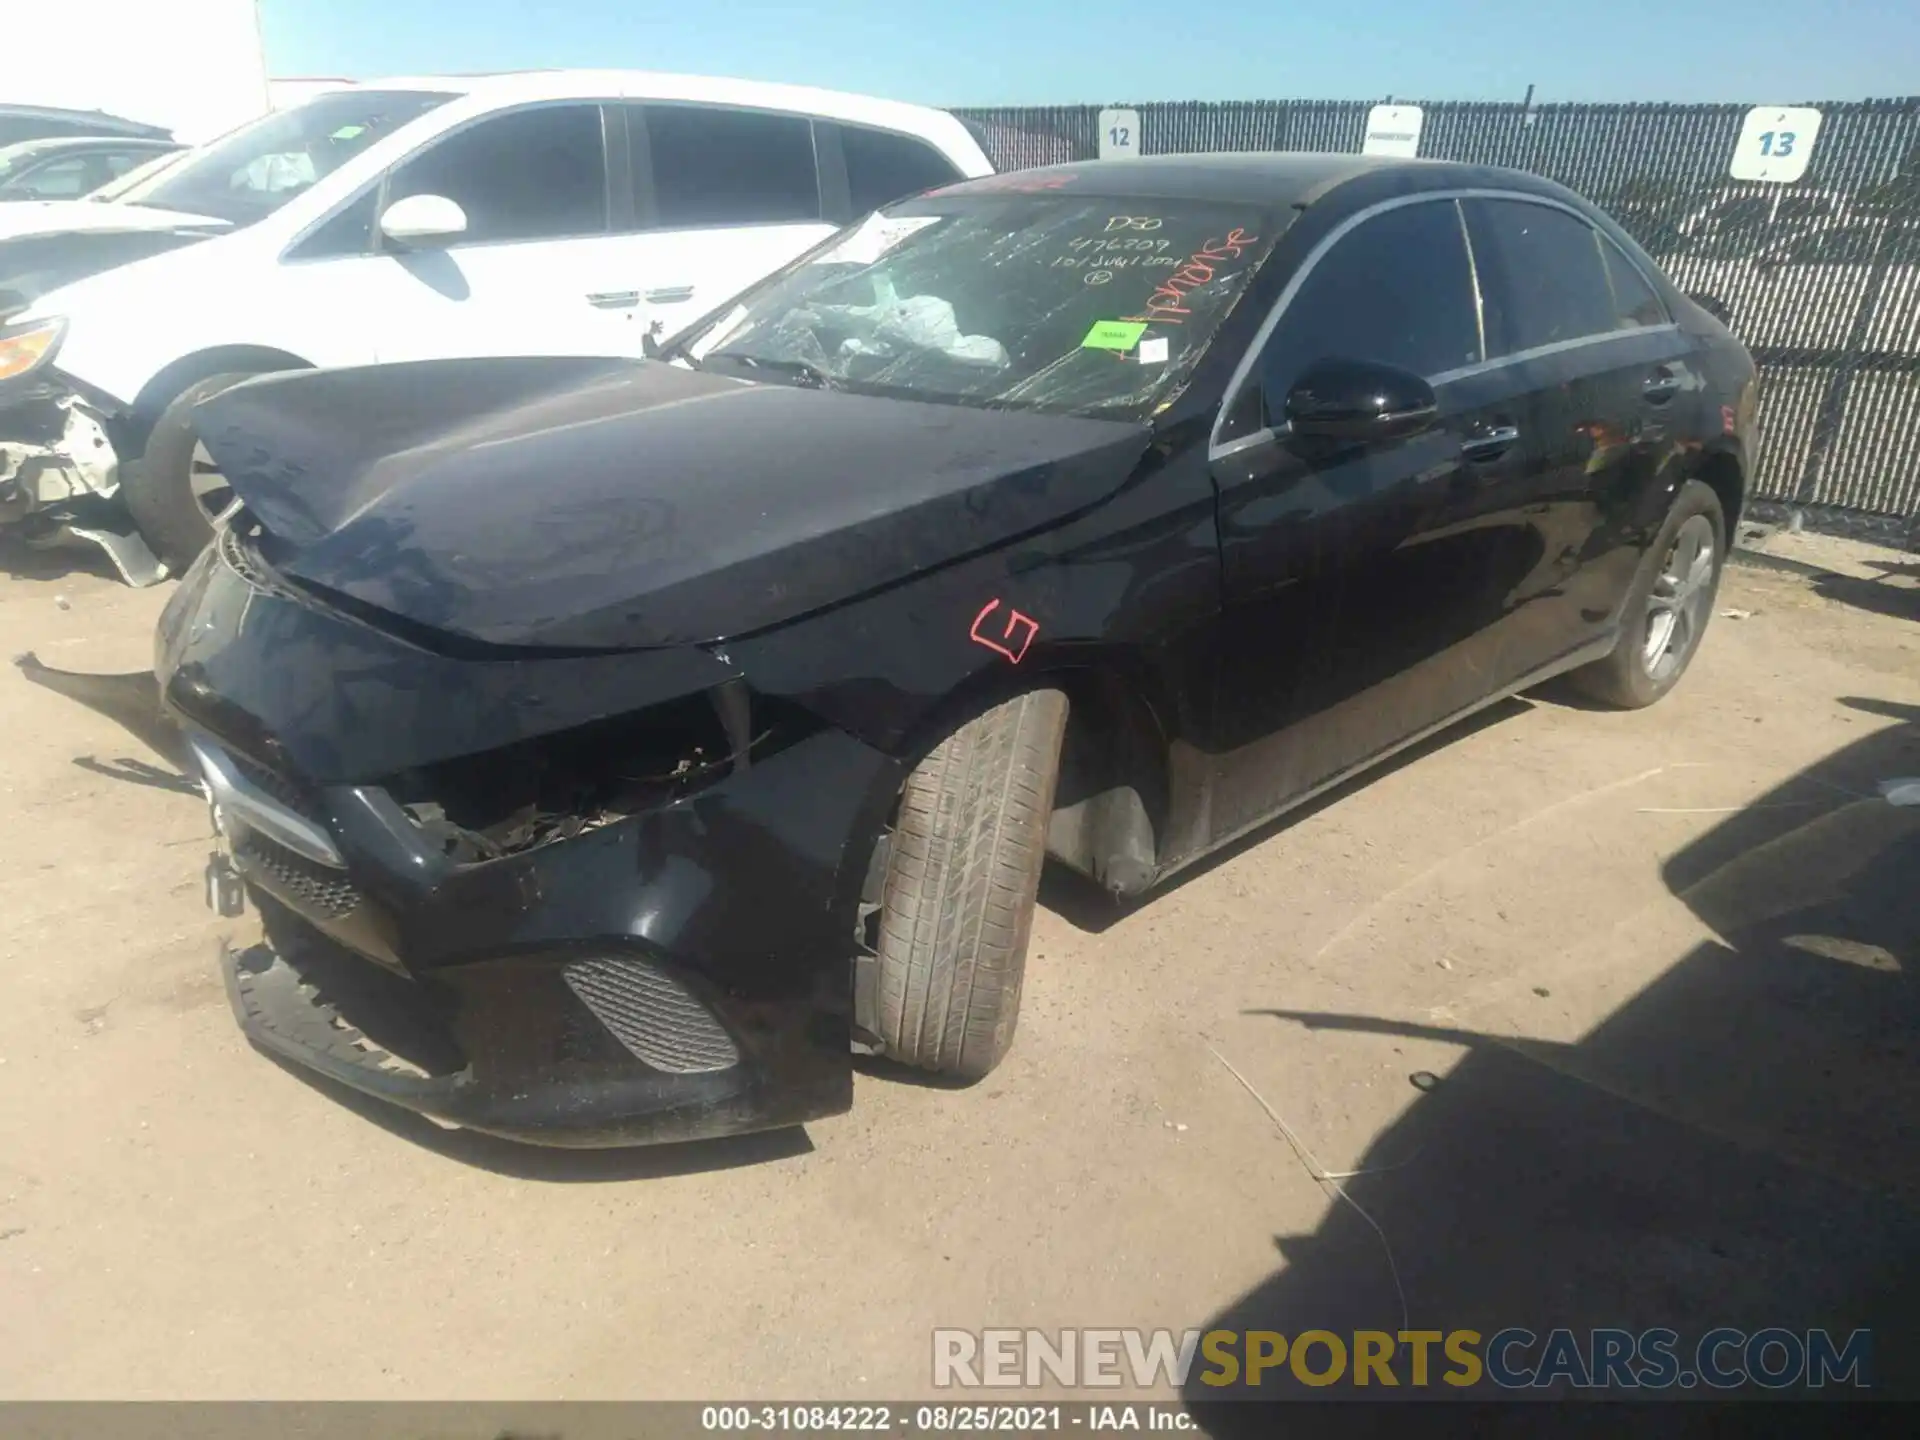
point(1198, 269)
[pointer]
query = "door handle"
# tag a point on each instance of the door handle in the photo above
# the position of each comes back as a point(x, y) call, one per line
point(614, 299)
point(1661, 386)
point(670, 295)
point(1489, 443)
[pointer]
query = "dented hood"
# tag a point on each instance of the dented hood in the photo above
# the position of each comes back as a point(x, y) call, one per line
point(613, 504)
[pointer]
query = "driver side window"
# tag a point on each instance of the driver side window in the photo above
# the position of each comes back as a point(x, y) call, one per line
point(1396, 289)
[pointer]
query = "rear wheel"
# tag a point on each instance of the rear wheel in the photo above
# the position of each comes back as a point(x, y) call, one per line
point(175, 492)
point(1669, 606)
point(955, 889)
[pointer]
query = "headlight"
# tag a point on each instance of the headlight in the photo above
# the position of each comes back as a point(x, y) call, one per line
point(25, 347)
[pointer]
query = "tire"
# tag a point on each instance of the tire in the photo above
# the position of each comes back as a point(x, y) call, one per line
point(159, 487)
point(961, 872)
point(1675, 580)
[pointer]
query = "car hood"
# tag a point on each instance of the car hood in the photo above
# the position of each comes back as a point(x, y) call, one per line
point(613, 504)
point(38, 264)
point(64, 217)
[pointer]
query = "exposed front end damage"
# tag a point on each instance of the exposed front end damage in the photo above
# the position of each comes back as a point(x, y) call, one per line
point(531, 852)
point(60, 476)
point(583, 900)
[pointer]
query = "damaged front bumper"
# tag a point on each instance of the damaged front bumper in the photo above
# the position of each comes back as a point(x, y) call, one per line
point(678, 971)
point(60, 476)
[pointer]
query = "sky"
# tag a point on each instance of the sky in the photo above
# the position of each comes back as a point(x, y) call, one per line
point(1030, 52)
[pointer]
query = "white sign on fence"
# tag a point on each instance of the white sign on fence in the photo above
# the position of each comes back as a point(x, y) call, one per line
point(1775, 143)
point(1393, 130)
point(1119, 134)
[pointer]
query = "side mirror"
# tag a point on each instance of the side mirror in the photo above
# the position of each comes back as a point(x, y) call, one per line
point(1359, 402)
point(423, 219)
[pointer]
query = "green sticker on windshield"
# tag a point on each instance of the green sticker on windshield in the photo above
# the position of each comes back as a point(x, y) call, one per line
point(1114, 335)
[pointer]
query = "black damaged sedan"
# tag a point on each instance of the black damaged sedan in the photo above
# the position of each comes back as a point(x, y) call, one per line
point(615, 748)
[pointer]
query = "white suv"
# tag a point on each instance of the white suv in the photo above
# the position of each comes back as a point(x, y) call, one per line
point(527, 214)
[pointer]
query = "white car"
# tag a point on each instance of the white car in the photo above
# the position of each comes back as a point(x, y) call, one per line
point(530, 214)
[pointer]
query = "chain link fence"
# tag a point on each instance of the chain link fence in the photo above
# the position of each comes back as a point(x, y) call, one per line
point(1821, 277)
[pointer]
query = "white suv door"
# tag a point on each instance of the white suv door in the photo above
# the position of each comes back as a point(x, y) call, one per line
point(721, 198)
point(528, 275)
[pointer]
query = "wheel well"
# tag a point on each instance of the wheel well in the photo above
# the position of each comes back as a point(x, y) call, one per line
point(165, 387)
point(1110, 803)
point(1722, 473)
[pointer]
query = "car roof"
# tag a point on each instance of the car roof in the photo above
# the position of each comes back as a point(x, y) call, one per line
point(516, 85)
point(97, 122)
point(1273, 178)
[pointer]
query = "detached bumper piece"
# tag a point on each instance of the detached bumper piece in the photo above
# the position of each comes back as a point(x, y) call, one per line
point(603, 1050)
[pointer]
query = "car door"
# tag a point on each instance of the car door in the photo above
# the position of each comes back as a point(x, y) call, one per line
point(1572, 323)
point(722, 197)
point(1356, 582)
point(524, 278)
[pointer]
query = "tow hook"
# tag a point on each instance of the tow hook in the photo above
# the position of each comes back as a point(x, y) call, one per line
point(226, 896)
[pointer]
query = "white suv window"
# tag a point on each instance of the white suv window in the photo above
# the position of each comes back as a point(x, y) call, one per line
point(883, 167)
point(533, 174)
point(713, 166)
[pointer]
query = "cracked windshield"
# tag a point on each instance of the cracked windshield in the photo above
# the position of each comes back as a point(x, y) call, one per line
point(1090, 306)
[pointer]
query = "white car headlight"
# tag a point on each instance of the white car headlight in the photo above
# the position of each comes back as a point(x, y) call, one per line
point(27, 346)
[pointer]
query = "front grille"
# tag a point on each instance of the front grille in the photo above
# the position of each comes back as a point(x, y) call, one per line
point(652, 1015)
point(302, 882)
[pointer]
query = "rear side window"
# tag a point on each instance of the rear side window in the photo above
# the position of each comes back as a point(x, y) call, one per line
point(1542, 280)
point(1397, 289)
point(538, 174)
point(883, 167)
point(1634, 301)
point(713, 166)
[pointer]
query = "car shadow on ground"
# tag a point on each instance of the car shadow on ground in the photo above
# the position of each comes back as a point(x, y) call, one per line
point(132, 771)
point(20, 561)
point(1894, 590)
point(1734, 1146)
point(1086, 906)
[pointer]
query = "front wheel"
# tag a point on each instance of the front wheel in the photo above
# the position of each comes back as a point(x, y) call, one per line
point(957, 889)
point(1669, 606)
point(174, 491)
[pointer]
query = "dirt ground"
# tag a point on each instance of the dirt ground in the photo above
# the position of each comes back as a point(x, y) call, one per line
point(1665, 966)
